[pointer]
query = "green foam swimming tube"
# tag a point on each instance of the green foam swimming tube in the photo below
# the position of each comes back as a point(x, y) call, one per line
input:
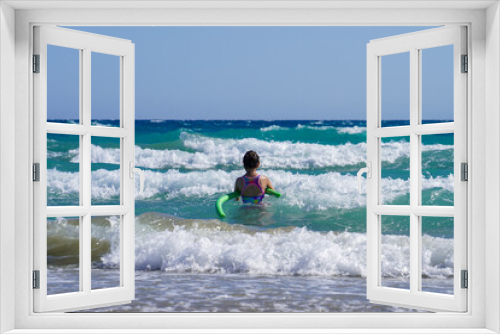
point(270, 191)
point(227, 197)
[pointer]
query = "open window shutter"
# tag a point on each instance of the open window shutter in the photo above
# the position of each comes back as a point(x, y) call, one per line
point(414, 293)
point(68, 228)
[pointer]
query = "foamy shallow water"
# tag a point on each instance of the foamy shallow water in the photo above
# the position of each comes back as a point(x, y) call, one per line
point(157, 291)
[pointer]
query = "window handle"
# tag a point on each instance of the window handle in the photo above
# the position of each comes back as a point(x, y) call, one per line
point(368, 171)
point(142, 176)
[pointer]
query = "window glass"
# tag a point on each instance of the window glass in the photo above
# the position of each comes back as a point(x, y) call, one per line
point(106, 252)
point(437, 254)
point(395, 252)
point(437, 169)
point(395, 89)
point(63, 170)
point(106, 176)
point(63, 84)
point(437, 84)
point(105, 90)
point(63, 255)
point(395, 170)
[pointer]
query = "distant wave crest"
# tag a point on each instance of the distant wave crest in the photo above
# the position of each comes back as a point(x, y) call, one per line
point(310, 192)
point(215, 152)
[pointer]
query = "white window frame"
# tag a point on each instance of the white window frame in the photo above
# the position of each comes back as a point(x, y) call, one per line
point(123, 50)
point(483, 126)
point(414, 44)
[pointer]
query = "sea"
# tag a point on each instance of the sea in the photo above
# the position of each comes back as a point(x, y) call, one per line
point(302, 252)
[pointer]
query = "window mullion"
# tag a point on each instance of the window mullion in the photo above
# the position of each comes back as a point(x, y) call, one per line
point(85, 167)
point(414, 170)
point(82, 246)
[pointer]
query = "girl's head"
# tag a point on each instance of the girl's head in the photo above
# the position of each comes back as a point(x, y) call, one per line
point(251, 160)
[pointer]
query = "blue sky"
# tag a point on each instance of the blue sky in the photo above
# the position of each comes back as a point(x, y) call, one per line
point(250, 73)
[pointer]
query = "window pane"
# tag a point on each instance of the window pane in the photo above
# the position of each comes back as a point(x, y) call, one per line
point(395, 89)
point(437, 169)
point(63, 84)
point(395, 252)
point(63, 255)
point(437, 84)
point(63, 170)
point(106, 252)
point(437, 254)
point(395, 170)
point(105, 89)
point(106, 176)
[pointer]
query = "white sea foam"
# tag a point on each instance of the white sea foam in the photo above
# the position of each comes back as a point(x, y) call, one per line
point(98, 155)
point(436, 147)
point(62, 183)
point(352, 130)
point(274, 154)
point(220, 249)
point(178, 245)
point(96, 123)
point(213, 152)
point(273, 128)
point(309, 192)
point(56, 154)
point(446, 183)
point(318, 128)
point(299, 252)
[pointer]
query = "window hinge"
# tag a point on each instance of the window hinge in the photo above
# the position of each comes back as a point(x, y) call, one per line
point(36, 63)
point(464, 171)
point(465, 279)
point(465, 64)
point(36, 172)
point(36, 279)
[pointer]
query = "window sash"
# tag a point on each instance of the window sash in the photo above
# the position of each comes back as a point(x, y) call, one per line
point(413, 43)
point(86, 297)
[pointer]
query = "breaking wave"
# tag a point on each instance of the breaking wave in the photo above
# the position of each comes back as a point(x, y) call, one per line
point(214, 152)
point(320, 192)
point(210, 246)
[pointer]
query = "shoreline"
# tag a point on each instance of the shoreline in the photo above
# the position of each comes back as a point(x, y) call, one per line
point(160, 292)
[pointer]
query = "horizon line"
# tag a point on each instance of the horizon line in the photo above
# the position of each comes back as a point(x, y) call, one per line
point(246, 120)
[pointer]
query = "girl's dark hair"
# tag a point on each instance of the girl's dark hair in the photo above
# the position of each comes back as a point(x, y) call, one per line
point(251, 160)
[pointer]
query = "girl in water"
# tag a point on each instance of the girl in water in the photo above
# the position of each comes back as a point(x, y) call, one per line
point(252, 186)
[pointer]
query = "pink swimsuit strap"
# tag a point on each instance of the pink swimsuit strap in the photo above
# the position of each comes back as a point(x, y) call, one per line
point(252, 181)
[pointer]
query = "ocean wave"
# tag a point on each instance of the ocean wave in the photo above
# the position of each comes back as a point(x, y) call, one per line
point(189, 246)
point(309, 192)
point(352, 130)
point(274, 154)
point(207, 250)
point(63, 184)
point(285, 154)
point(214, 152)
point(273, 128)
point(56, 154)
point(318, 127)
point(96, 123)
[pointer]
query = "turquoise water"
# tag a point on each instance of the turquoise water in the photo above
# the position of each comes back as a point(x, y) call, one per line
point(189, 164)
point(314, 235)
